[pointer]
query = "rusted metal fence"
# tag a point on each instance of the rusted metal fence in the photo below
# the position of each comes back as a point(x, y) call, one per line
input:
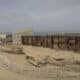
point(53, 41)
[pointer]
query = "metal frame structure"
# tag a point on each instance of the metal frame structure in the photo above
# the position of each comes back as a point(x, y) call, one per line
point(69, 42)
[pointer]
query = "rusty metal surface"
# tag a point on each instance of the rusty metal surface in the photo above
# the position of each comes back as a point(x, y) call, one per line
point(53, 41)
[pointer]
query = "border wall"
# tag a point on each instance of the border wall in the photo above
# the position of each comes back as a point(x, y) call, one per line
point(69, 42)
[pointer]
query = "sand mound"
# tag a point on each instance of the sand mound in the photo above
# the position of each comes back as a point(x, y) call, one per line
point(12, 49)
point(41, 63)
point(43, 56)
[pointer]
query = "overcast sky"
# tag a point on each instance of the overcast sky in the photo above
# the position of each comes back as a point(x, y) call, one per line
point(41, 15)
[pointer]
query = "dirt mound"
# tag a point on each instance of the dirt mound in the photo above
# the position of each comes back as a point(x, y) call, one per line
point(13, 50)
point(41, 63)
point(47, 60)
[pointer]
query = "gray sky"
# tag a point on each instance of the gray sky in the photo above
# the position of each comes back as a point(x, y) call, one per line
point(41, 15)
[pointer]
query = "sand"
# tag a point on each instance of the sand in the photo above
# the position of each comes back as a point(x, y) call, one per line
point(43, 64)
